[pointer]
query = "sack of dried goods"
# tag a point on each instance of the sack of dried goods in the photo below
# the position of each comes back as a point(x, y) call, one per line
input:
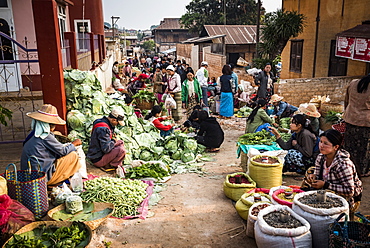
point(252, 216)
point(247, 200)
point(266, 171)
point(285, 196)
point(237, 184)
point(320, 209)
point(278, 226)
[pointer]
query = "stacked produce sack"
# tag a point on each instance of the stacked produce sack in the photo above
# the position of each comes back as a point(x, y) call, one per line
point(247, 200)
point(320, 214)
point(86, 102)
point(237, 184)
point(278, 226)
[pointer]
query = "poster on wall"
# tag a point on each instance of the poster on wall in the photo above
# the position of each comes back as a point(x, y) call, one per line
point(345, 47)
point(362, 49)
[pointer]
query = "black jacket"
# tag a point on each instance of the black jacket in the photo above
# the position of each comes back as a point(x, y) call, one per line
point(212, 132)
point(261, 81)
point(100, 141)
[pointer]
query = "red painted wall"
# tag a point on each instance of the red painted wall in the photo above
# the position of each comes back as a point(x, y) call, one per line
point(93, 12)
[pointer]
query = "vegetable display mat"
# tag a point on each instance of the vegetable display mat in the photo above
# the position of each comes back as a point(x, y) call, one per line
point(144, 206)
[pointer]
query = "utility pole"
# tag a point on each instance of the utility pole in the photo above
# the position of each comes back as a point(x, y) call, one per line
point(224, 12)
point(114, 21)
point(258, 27)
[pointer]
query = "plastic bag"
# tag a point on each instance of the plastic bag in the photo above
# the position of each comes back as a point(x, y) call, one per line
point(61, 194)
point(76, 182)
point(170, 103)
point(82, 160)
point(14, 216)
point(74, 204)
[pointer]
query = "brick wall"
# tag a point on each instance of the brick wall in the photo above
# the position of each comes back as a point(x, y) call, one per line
point(215, 62)
point(301, 90)
point(183, 50)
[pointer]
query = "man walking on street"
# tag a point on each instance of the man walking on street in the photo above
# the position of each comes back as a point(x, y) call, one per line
point(202, 77)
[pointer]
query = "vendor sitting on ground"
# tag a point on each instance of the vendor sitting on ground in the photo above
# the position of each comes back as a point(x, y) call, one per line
point(104, 151)
point(282, 109)
point(58, 161)
point(311, 113)
point(192, 121)
point(138, 84)
point(210, 133)
point(154, 117)
point(259, 119)
point(302, 146)
point(335, 171)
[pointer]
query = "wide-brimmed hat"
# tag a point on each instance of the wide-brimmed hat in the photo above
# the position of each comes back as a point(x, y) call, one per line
point(276, 98)
point(310, 110)
point(110, 90)
point(170, 67)
point(119, 115)
point(47, 113)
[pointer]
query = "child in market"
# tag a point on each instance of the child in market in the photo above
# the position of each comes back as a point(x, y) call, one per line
point(154, 117)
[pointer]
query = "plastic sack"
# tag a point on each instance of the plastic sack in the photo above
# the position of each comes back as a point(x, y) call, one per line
point(282, 201)
point(266, 175)
point(82, 160)
point(170, 103)
point(319, 218)
point(270, 237)
point(252, 218)
point(235, 190)
point(246, 201)
point(14, 216)
point(76, 182)
point(3, 187)
point(74, 204)
point(62, 194)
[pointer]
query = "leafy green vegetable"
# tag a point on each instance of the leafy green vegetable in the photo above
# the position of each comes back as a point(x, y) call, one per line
point(285, 122)
point(332, 116)
point(76, 120)
point(153, 170)
point(259, 138)
point(187, 156)
point(144, 95)
point(191, 144)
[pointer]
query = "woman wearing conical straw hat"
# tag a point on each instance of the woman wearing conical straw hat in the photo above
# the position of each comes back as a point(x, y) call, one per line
point(58, 161)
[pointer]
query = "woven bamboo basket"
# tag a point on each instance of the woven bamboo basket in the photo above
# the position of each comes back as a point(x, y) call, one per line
point(58, 224)
point(327, 106)
point(144, 104)
point(93, 224)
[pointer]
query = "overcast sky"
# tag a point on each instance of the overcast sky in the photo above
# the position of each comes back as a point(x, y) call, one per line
point(141, 14)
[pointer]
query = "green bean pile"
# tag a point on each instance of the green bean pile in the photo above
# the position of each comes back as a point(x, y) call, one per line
point(126, 195)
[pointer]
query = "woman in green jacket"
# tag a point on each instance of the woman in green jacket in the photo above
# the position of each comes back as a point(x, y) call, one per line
point(258, 117)
point(191, 93)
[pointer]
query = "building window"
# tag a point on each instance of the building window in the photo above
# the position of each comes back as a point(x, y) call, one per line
point(296, 56)
point(62, 17)
point(3, 3)
point(82, 27)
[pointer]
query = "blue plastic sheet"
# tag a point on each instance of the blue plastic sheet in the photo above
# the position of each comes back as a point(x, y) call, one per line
point(245, 148)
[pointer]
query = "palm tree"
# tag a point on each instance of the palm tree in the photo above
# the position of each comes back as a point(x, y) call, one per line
point(278, 28)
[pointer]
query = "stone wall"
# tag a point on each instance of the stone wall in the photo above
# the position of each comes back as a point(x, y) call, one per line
point(301, 90)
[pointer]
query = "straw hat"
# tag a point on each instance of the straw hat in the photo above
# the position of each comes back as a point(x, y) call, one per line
point(310, 110)
point(110, 90)
point(47, 113)
point(276, 98)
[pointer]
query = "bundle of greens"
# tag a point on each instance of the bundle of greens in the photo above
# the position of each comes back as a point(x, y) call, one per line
point(144, 95)
point(259, 138)
point(50, 236)
point(285, 122)
point(332, 116)
point(125, 195)
point(153, 170)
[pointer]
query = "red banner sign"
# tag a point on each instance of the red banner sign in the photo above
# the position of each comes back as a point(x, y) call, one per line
point(353, 48)
point(362, 49)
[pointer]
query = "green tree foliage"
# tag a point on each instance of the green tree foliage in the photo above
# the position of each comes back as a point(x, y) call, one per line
point(211, 12)
point(278, 28)
point(149, 45)
point(5, 113)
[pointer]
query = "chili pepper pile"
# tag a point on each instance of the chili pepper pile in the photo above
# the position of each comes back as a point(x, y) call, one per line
point(125, 195)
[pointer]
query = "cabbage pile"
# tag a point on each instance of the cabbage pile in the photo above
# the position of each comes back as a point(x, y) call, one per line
point(86, 102)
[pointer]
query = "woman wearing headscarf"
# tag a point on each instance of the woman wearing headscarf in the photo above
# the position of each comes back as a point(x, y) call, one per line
point(174, 88)
point(357, 118)
point(191, 94)
point(227, 104)
point(57, 160)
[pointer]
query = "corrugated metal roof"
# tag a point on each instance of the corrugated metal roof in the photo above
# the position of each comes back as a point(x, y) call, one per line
point(235, 34)
point(202, 39)
point(360, 31)
point(170, 23)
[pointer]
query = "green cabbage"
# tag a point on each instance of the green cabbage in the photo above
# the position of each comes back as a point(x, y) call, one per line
point(171, 145)
point(187, 157)
point(76, 120)
point(146, 155)
point(191, 144)
point(177, 155)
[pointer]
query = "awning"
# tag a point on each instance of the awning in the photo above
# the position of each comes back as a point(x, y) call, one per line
point(354, 43)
